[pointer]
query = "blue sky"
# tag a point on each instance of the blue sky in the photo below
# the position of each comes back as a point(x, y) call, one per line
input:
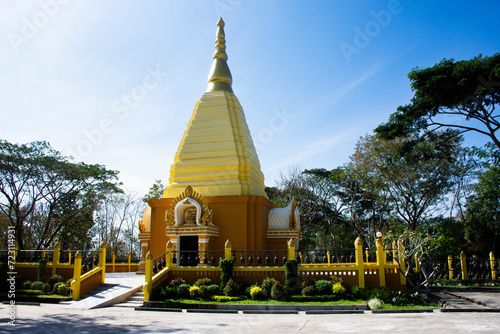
point(115, 82)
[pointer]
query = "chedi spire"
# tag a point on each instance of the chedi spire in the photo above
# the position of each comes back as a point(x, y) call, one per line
point(219, 78)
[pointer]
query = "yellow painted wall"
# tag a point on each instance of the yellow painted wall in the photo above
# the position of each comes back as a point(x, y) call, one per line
point(241, 219)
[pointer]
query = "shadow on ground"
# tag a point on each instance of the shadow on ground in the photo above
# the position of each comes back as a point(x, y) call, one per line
point(76, 323)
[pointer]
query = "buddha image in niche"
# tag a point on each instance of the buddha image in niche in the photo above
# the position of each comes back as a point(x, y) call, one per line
point(190, 216)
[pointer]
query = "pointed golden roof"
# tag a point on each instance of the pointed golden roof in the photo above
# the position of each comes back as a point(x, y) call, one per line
point(216, 155)
point(219, 77)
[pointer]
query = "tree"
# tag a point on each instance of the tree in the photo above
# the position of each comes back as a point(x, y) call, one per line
point(116, 222)
point(42, 189)
point(482, 217)
point(467, 89)
point(414, 174)
point(364, 211)
point(322, 222)
point(156, 191)
point(416, 247)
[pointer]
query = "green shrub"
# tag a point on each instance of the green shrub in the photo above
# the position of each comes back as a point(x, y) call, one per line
point(291, 277)
point(375, 304)
point(308, 281)
point(53, 280)
point(26, 285)
point(203, 281)
point(183, 290)
point(308, 291)
point(57, 285)
point(323, 287)
point(194, 292)
point(336, 279)
point(383, 294)
point(338, 289)
point(256, 293)
point(46, 288)
point(226, 265)
point(231, 289)
point(29, 292)
point(203, 292)
point(42, 270)
point(62, 290)
point(243, 288)
point(277, 291)
point(37, 285)
point(267, 285)
point(176, 282)
point(214, 289)
point(355, 293)
point(224, 299)
point(169, 292)
point(315, 298)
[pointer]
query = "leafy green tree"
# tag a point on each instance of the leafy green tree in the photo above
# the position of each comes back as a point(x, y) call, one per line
point(38, 185)
point(462, 95)
point(414, 174)
point(366, 210)
point(156, 191)
point(322, 221)
point(482, 217)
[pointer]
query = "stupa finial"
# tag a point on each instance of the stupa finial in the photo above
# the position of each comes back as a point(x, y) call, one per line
point(219, 78)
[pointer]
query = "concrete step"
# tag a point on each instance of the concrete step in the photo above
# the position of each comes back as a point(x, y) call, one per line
point(448, 301)
point(136, 300)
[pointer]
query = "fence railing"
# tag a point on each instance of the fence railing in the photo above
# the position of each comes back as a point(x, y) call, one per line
point(326, 256)
point(85, 267)
point(86, 275)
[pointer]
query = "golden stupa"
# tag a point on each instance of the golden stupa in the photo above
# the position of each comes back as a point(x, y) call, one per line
point(216, 188)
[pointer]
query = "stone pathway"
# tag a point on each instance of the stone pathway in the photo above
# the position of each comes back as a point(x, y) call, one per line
point(469, 299)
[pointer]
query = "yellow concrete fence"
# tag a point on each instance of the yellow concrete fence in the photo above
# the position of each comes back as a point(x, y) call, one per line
point(381, 273)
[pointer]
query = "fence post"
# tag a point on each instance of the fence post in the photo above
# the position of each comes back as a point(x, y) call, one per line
point(227, 249)
point(69, 258)
point(492, 266)
point(381, 257)
point(358, 245)
point(450, 266)
point(128, 260)
point(402, 263)
point(394, 252)
point(463, 265)
point(113, 262)
point(102, 261)
point(77, 274)
point(291, 249)
point(55, 258)
point(168, 256)
point(148, 276)
point(417, 264)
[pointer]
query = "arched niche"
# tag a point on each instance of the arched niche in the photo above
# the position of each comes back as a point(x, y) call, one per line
point(185, 211)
